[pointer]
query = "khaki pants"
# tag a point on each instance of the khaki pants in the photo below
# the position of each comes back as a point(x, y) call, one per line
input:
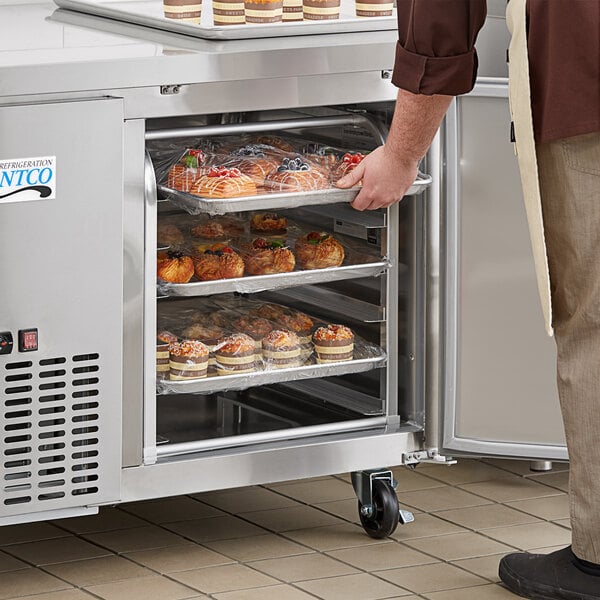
point(569, 172)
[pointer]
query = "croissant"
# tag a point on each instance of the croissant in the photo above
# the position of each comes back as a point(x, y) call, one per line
point(174, 267)
point(319, 250)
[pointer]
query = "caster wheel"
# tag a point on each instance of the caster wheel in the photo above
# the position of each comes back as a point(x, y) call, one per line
point(384, 518)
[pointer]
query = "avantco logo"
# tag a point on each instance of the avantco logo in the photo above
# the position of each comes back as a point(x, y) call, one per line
point(23, 179)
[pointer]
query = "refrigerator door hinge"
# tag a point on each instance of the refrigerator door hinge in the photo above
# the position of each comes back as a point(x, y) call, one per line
point(431, 455)
point(170, 90)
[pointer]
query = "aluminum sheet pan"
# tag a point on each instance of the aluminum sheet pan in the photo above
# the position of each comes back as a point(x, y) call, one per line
point(221, 383)
point(259, 283)
point(196, 205)
point(150, 14)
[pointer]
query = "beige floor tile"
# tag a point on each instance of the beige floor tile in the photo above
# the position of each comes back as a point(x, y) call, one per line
point(333, 537)
point(509, 489)
point(247, 499)
point(410, 480)
point(546, 550)
point(8, 563)
point(301, 568)
point(425, 525)
point(143, 588)
point(288, 519)
point(550, 508)
point(522, 467)
point(431, 578)
point(95, 571)
point(313, 492)
point(29, 532)
point(71, 594)
point(457, 546)
point(139, 538)
point(465, 471)
point(486, 592)
point(257, 547)
point(344, 509)
point(484, 566)
point(444, 498)
point(178, 558)
point(352, 587)
point(534, 535)
point(386, 555)
point(168, 510)
point(25, 583)
point(484, 517)
point(47, 552)
point(558, 480)
point(215, 528)
point(274, 592)
point(564, 523)
point(107, 519)
point(225, 578)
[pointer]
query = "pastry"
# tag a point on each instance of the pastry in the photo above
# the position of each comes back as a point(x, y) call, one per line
point(263, 11)
point(334, 343)
point(274, 141)
point(266, 257)
point(168, 234)
point(255, 327)
point(302, 325)
point(209, 335)
point(374, 8)
point(319, 250)
point(295, 175)
point(325, 156)
point(187, 11)
point(321, 10)
point(268, 223)
point(273, 312)
point(346, 164)
point(183, 174)
point(217, 229)
point(254, 160)
point(163, 340)
point(228, 12)
point(292, 11)
point(174, 267)
point(281, 349)
point(235, 354)
point(221, 182)
point(219, 262)
point(188, 360)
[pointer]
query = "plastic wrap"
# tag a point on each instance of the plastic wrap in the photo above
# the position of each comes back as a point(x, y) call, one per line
point(243, 251)
point(237, 343)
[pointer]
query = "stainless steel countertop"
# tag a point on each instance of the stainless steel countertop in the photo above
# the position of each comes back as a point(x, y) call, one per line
point(46, 50)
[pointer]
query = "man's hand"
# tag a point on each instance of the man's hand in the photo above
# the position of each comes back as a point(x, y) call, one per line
point(385, 178)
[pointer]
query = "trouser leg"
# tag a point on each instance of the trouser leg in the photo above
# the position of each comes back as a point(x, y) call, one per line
point(570, 186)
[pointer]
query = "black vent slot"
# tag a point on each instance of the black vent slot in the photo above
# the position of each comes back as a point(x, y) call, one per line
point(19, 365)
point(83, 357)
point(52, 361)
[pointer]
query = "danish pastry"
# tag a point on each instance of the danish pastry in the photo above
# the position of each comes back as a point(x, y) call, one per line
point(319, 250)
point(268, 223)
point(265, 257)
point(174, 267)
point(346, 164)
point(221, 182)
point(220, 262)
point(183, 174)
point(296, 175)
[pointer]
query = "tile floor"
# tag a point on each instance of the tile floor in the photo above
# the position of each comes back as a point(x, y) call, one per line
point(297, 540)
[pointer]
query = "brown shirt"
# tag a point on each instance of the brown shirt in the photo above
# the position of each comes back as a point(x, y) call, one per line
point(436, 54)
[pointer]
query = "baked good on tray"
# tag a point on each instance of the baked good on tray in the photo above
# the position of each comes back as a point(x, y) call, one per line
point(266, 257)
point(209, 335)
point(183, 174)
point(324, 156)
point(292, 11)
point(263, 11)
point(281, 349)
point(254, 160)
point(228, 12)
point(235, 354)
point(174, 267)
point(255, 327)
point(346, 164)
point(163, 341)
point(168, 234)
point(219, 228)
point(268, 223)
point(269, 311)
point(374, 8)
point(275, 141)
point(188, 360)
point(302, 325)
point(321, 10)
point(296, 175)
point(334, 343)
point(319, 250)
point(186, 11)
point(221, 182)
point(219, 262)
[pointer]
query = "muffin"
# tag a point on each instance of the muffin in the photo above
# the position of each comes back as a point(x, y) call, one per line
point(302, 325)
point(292, 11)
point(188, 360)
point(235, 355)
point(256, 327)
point(263, 11)
point(209, 335)
point(186, 11)
point(228, 12)
point(321, 10)
point(163, 340)
point(334, 343)
point(374, 8)
point(281, 349)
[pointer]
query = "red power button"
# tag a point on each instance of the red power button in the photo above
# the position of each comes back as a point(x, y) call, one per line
point(28, 340)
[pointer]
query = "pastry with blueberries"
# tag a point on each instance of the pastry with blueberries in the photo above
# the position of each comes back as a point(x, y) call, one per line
point(296, 175)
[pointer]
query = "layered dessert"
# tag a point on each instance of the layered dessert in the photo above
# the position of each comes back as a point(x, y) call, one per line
point(235, 355)
point(281, 349)
point(334, 343)
point(188, 360)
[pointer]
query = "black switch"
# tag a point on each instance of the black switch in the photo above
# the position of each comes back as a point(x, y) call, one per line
point(6, 342)
point(28, 340)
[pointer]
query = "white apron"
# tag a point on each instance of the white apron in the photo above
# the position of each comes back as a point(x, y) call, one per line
point(520, 108)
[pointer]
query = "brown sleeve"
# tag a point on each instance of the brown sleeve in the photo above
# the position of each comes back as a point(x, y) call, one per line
point(436, 53)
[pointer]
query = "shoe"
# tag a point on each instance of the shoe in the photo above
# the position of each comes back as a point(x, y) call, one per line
point(548, 576)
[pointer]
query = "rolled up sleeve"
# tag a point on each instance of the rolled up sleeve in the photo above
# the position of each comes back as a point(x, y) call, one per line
point(436, 53)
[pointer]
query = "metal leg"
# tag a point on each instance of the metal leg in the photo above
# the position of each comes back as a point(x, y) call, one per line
point(540, 465)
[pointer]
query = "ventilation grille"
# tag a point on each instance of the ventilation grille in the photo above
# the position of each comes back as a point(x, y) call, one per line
point(50, 431)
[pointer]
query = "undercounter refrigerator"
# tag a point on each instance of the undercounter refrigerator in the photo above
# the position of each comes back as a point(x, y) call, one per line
point(189, 303)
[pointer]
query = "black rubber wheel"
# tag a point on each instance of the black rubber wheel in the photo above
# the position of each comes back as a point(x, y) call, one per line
point(384, 520)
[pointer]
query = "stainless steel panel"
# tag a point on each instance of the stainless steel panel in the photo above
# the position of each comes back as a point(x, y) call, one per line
point(500, 366)
point(150, 14)
point(61, 273)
